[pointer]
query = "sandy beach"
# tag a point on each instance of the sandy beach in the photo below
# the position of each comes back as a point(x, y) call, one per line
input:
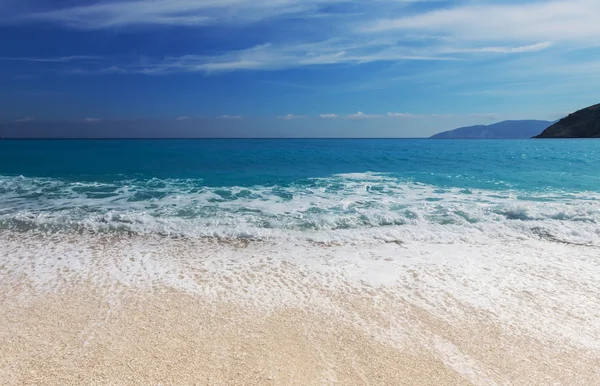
point(106, 310)
point(299, 192)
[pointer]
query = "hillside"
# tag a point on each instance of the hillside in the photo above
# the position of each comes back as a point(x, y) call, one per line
point(584, 123)
point(501, 130)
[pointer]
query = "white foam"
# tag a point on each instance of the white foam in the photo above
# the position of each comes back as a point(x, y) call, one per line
point(546, 289)
point(350, 208)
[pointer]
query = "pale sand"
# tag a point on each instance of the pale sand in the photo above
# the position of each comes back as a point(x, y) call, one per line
point(175, 338)
point(83, 332)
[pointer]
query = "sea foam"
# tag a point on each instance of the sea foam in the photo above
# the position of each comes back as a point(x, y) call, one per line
point(347, 208)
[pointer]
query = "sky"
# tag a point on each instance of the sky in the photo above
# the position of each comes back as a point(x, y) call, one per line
point(291, 68)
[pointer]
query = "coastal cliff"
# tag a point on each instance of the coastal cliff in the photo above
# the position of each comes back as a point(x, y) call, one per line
point(584, 123)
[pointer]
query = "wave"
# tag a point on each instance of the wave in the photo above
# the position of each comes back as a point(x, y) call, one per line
point(354, 208)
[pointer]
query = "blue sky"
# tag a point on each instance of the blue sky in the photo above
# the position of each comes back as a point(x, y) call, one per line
point(297, 67)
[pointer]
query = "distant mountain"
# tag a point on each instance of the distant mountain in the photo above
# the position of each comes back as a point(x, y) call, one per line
point(500, 130)
point(581, 124)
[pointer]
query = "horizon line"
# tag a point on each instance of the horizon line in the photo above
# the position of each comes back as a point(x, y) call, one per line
point(251, 138)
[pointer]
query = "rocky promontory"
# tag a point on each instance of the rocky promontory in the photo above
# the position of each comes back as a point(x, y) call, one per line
point(581, 124)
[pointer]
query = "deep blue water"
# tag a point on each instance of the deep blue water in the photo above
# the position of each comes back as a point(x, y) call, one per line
point(328, 189)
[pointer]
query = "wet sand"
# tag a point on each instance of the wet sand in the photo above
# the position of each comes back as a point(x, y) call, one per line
point(78, 329)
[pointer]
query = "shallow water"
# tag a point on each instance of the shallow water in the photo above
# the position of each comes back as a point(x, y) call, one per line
point(307, 190)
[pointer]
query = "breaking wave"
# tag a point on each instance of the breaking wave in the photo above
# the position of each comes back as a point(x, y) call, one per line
point(344, 208)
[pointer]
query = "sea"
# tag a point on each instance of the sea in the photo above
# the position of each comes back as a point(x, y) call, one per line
point(386, 235)
point(344, 191)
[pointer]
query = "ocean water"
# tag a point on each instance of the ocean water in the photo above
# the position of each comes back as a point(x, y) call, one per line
point(457, 229)
point(325, 191)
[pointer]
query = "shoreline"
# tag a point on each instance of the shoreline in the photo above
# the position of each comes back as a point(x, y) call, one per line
point(97, 311)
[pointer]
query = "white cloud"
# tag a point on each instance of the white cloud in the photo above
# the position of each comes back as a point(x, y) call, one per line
point(477, 44)
point(360, 116)
point(336, 51)
point(367, 36)
point(574, 21)
point(291, 117)
point(91, 120)
point(328, 116)
point(25, 119)
point(183, 118)
point(272, 57)
point(59, 59)
point(498, 49)
point(110, 14)
point(399, 115)
point(231, 117)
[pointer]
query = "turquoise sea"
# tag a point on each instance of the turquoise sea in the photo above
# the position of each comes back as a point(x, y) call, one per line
point(344, 190)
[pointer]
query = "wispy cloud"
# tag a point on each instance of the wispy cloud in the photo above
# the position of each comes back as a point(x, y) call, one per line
point(498, 49)
point(573, 21)
point(470, 50)
point(269, 56)
point(192, 13)
point(274, 57)
point(60, 59)
point(183, 118)
point(360, 116)
point(379, 31)
point(399, 115)
point(291, 117)
point(25, 119)
point(328, 116)
point(231, 117)
point(91, 120)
